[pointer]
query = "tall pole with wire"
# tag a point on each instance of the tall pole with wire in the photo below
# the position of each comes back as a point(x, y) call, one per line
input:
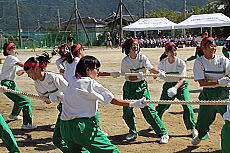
point(185, 14)
point(19, 23)
point(121, 16)
point(76, 17)
point(143, 4)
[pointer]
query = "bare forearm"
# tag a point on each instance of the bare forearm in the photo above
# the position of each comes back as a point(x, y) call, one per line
point(205, 82)
point(119, 102)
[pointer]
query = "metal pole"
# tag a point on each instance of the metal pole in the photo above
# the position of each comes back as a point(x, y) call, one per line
point(59, 20)
point(121, 32)
point(185, 14)
point(143, 3)
point(76, 15)
point(19, 23)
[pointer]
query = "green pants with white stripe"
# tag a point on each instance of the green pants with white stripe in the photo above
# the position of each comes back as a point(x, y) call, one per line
point(225, 137)
point(207, 113)
point(7, 137)
point(182, 94)
point(85, 132)
point(21, 102)
point(137, 90)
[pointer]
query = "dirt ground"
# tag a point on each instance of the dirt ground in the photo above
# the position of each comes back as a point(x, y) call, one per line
point(44, 116)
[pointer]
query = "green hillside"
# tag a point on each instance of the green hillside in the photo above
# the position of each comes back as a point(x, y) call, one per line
point(36, 13)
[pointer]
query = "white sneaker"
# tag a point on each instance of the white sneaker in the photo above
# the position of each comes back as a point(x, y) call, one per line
point(15, 117)
point(106, 134)
point(150, 128)
point(130, 137)
point(164, 139)
point(196, 140)
point(28, 127)
point(194, 132)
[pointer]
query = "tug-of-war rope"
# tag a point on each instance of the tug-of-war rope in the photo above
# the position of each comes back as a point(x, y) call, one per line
point(157, 75)
point(222, 102)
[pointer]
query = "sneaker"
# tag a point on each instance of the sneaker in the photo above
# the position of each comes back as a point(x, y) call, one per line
point(106, 134)
point(15, 117)
point(196, 140)
point(150, 128)
point(131, 137)
point(28, 127)
point(194, 132)
point(164, 139)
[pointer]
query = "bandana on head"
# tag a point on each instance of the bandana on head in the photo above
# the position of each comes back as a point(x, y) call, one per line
point(77, 48)
point(169, 44)
point(9, 46)
point(205, 40)
point(133, 40)
point(33, 64)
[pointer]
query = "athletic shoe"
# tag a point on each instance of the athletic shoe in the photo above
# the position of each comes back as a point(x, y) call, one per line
point(106, 134)
point(196, 140)
point(131, 137)
point(164, 139)
point(150, 128)
point(28, 127)
point(15, 117)
point(194, 132)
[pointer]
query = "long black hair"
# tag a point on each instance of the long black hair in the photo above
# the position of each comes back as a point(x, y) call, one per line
point(127, 45)
point(86, 62)
point(74, 52)
point(6, 47)
point(168, 47)
point(64, 45)
point(39, 61)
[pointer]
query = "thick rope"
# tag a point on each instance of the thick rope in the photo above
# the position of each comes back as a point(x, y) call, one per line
point(4, 89)
point(223, 102)
point(218, 102)
point(157, 75)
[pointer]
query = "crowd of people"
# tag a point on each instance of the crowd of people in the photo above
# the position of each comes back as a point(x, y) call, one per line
point(78, 93)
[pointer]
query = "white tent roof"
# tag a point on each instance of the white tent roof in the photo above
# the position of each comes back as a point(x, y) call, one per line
point(204, 20)
point(228, 38)
point(144, 24)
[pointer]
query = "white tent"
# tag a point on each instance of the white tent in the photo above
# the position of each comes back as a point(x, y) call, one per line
point(204, 20)
point(145, 24)
point(228, 38)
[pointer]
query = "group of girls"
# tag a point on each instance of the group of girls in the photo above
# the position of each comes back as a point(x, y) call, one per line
point(78, 94)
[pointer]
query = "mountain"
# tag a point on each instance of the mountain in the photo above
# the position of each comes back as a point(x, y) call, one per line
point(37, 13)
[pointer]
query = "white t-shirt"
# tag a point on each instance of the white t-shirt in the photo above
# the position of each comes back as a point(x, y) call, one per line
point(176, 68)
point(70, 69)
point(60, 64)
point(82, 97)
point(53, 83)
point(10, 68)
point(140, 64)
point(213, 69)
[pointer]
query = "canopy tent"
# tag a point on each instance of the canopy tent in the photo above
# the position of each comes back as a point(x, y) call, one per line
point(145, 24)
point(204, 20)
point(228, 38)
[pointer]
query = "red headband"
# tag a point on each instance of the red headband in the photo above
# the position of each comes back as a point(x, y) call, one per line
point(133, 40)
point(205, 40)
point(77, 47)
point(33, 64)
point(169, 44)
point(9, 46)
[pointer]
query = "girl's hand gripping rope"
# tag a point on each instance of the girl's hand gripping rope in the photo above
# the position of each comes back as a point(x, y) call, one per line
point(138, 103)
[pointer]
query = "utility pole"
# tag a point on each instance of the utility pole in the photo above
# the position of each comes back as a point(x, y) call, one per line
point(76, 17)
point(59, 20)
point(19, 23)
point(121, 16)
point(185, 9)
point(143, 4)
point(185, 14)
